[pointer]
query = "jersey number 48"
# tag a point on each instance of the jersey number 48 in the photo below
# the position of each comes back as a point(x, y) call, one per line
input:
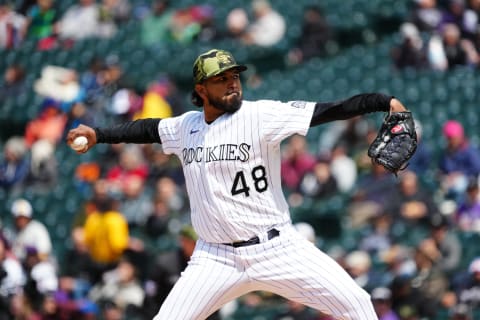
point(259, 181)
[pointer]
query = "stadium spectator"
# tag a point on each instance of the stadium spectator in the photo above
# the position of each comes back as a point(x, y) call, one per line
point(158, 220)
point(468, 290)
point(456, 51)
point(204, 16)
point(42, 278)
point(21, 308)
point(377, 236)
point(43, 173)
point(120, 286)
point(268, 26)
point(411, 52)
point(11, 26)
point(399, 263)
point(172, 194)
point(162, 165)
point(111, 14)
point(319, 183)
point(40, 24)
point(80, 21)
point(426, 15)
point(135, 204)
point(31, 233)
point(447, 243)
point(155, 104)
point(314, 37)
point(382, 302)
point(91, 80)
point(117, 10)
point(460, 311)
point(13, 82)
point(193, 23)
point(111, 79)
point(125, 103)
point(375, 186)
point(437, 58)
point(467, 216)
point(130, 163)
point(106, 236)
point(15, 165)
point(359, 265)
point(349, 133)
point(404, 298)
point(343, 167)
point(369, 196)
point(79, 113)
point(110, 311)
point(172, 94)
point(236, 23)
point(353, 134)
point(161, 99)
point(76, 275)
point(296, 161)
point(49, 125)
point(458, 161)
point(58, 83)
point(422, 159)
point(306, 230)
point(155, 27)
point(50, 308)
point(474, 5)
point(429, 283)
point(458, 13)
point(410, 203)
point(98, 191)
point(12, 278)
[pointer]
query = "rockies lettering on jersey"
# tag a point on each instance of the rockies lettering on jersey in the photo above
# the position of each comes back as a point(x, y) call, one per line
point(222, 152)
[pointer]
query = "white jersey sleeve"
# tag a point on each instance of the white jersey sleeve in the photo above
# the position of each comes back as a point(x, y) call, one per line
point(283, 119)
point(171, 131)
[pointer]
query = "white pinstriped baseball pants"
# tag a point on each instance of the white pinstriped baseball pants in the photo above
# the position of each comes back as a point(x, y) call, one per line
point(287, 265)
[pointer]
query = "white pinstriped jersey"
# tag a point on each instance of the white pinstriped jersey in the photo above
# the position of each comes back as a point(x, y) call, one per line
point(232, 166)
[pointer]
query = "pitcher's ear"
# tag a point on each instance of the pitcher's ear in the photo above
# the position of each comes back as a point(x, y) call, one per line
point(196, 99)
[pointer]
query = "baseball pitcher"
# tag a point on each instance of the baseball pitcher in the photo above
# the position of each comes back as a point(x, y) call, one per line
point(230, 152)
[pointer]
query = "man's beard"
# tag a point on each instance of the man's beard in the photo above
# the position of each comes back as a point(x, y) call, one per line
point(230, 105)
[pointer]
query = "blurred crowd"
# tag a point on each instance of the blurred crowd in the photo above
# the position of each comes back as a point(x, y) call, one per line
point(440, 35)
point(407, 253)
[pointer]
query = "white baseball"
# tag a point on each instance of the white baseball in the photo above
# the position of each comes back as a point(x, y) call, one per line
point(79, 143)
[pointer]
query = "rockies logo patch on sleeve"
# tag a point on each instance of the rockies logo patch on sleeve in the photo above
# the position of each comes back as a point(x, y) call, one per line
point(298, 104)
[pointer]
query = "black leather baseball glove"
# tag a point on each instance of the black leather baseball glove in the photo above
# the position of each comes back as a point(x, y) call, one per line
point(395, 143)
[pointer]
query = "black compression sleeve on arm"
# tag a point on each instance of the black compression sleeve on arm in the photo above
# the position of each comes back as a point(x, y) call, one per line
point(138, 131)
point(349, 108)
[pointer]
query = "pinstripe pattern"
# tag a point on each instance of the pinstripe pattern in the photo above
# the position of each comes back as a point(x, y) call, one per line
point(232, 173)
point(218, 274)
point(246, 142)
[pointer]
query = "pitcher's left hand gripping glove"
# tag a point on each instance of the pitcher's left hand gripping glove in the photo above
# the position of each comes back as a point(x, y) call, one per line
point(395, 143)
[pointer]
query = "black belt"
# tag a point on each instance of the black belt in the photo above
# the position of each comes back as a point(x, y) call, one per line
point(272, 233)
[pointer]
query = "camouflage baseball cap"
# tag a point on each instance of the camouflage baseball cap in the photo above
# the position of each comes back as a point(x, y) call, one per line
point(212, 63)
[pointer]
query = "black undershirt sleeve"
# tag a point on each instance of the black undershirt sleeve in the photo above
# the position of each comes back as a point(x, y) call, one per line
point(138, 131)
point(349, 108)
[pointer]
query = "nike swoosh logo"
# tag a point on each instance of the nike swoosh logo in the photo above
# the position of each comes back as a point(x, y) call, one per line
point(194, 131)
